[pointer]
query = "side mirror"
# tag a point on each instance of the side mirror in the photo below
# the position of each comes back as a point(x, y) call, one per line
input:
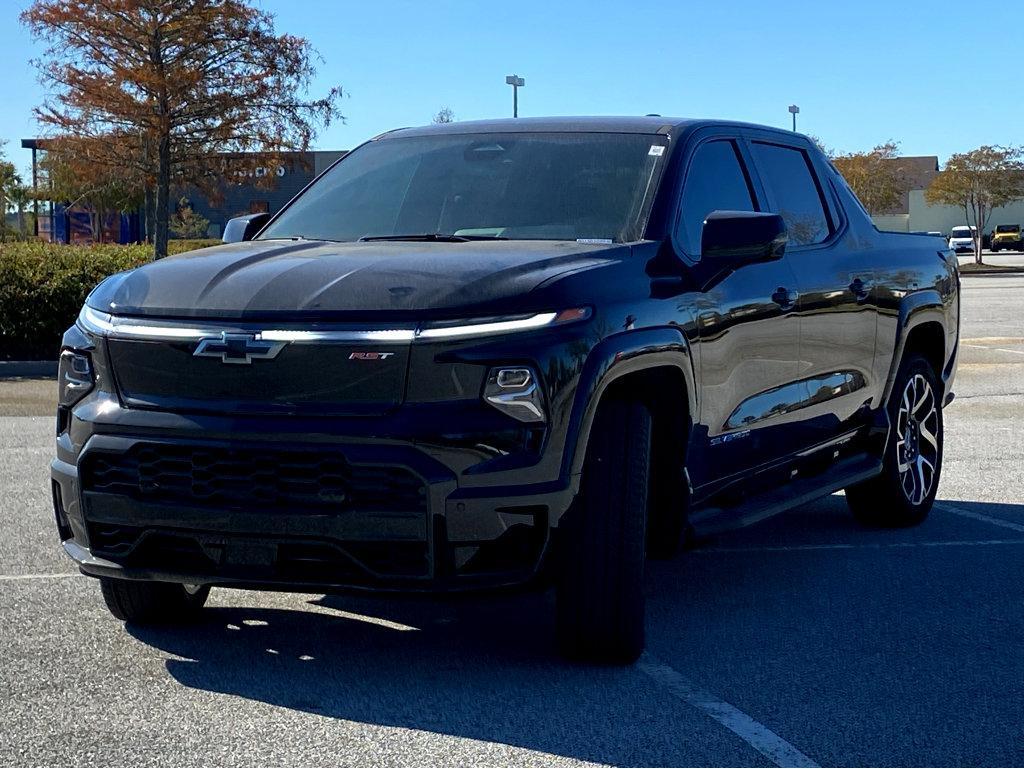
point(244, 227)
point(738, 237)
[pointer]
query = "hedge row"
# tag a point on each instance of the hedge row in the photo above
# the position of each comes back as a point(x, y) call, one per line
point(43, 285)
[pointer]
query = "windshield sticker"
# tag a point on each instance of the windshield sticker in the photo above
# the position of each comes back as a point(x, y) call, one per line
point(657, 150)
point(594, 240)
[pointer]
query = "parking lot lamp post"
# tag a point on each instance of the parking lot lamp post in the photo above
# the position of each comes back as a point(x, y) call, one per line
point(516, 82)
point(794, 111)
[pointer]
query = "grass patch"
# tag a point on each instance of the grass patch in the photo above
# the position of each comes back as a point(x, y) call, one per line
point(988, 269)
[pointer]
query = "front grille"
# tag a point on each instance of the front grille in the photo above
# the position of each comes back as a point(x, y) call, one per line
point(290, 480)
point(304, 378)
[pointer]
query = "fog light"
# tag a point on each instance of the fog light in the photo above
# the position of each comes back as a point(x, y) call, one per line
point(514, 391)
point(74, 377)
point(513, 377)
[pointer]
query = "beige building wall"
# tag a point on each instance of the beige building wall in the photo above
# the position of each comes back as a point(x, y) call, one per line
point(927, 218)
point(892, 222)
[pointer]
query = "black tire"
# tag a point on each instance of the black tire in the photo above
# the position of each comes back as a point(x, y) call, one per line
point(600, 597)
point(667, 526)
point(903, 494)
point(152, 603)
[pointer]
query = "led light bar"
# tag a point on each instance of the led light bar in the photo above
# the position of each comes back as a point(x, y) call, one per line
point(496, 327)
point(104, 324)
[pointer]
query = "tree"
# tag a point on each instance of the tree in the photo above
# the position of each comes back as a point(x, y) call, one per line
point(979, 181)
point(165, 85)
point(877, 177)
point(444, 115)
point(186, 223)
point(826, 151)
point(19, 196)
point(10, 183)
point(72, 171)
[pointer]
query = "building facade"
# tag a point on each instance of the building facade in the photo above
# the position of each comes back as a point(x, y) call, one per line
point(915, 214)
point(257, 188)
point(249, 186)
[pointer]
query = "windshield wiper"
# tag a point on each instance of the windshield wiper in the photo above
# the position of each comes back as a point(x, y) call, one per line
point(432, 237)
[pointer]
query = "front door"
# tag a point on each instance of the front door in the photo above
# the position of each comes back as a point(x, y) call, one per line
point(748, 332)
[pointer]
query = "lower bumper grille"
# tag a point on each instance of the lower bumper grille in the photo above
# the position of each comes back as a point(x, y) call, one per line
point(317, 480)
point(294, 560)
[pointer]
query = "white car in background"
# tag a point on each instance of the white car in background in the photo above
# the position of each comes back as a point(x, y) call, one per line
point(962, 238)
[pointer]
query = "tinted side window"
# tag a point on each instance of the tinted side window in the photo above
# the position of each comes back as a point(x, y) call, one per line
point(715, 181)
point(787, 172)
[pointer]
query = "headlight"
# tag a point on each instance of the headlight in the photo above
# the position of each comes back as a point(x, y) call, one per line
point(74, 376)
point(515, 390)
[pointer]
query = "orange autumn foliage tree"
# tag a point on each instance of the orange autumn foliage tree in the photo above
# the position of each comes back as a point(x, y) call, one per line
point(163, 86)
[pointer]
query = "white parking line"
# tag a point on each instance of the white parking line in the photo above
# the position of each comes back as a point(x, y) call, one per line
point(964, 513)
point(867, 545)
point(757, 735)
point(994, 349)
point(370, 620)
point(12, 577)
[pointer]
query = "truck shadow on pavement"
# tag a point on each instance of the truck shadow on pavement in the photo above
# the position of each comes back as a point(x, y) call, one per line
point(484, 667)
point(481, 668)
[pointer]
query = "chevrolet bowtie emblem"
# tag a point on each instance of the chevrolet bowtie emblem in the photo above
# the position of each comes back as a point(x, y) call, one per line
point(237, 348)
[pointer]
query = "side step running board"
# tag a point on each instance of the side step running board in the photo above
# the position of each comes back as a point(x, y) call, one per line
point(713, 520)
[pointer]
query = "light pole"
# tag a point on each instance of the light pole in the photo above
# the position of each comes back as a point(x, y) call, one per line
point(516, 82)
point(794, 111)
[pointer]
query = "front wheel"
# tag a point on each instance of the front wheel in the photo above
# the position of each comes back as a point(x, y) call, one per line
point(903, 494)
point(600, 597)
point(152, 603)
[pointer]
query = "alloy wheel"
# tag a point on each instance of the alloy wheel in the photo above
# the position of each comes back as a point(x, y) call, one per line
point(917, 426)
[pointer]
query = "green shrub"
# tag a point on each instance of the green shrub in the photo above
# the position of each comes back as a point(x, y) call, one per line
point(176, 246)
point(43, 286)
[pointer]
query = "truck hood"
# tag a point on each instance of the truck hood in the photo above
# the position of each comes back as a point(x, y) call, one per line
point(275, 278)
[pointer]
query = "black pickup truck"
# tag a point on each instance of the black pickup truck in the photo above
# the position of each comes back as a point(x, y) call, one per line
point(489, 354)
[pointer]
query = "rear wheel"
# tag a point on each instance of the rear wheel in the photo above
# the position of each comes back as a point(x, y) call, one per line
point(903, 494)
point(600, 598)
point(152, 603)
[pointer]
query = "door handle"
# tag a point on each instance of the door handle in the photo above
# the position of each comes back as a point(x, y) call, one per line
point(785, 297)
point(860, 289)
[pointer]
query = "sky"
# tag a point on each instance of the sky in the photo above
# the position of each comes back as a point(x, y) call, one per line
point(930, 74)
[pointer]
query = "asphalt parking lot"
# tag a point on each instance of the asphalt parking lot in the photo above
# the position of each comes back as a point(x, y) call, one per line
point(803, 640)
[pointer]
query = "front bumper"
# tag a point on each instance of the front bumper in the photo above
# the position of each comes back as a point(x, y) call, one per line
point(320, 513)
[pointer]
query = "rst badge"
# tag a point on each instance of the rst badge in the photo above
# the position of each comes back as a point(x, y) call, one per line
point(370, 355)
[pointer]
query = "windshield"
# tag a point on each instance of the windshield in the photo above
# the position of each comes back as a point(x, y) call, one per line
point(543, 186)
point(1007, 228)
point(960, 232)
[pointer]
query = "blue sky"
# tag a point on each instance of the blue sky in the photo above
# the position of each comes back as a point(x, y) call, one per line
point(862, 71)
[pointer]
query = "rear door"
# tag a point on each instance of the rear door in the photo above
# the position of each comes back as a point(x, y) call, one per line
point(749, 335)
point(837, 305)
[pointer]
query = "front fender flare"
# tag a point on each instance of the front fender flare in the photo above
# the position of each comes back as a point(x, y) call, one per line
point(613, 358)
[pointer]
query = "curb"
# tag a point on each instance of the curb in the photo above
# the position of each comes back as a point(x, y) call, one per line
point(34, 368)
point(1013, 271)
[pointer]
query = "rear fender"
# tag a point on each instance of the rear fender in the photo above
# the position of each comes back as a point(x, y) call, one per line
point(916, 309)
